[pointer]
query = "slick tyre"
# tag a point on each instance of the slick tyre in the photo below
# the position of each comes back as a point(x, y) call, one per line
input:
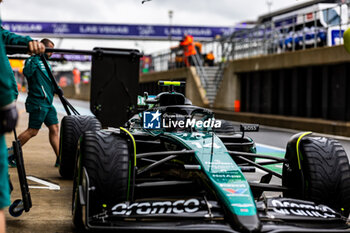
point(105, 156)
point(72, 127)
point(324, 176)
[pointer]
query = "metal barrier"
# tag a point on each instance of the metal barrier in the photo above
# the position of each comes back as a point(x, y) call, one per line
point(198, 63)
point(324, 27)
point(167, 61)
point(299, 31)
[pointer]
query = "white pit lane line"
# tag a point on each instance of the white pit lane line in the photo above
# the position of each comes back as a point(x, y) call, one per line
point(47, 185)
point(271, 147)
point(265, 160)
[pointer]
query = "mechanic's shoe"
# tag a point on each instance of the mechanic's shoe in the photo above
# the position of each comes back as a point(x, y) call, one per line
point(11, 157)
point(57, 164)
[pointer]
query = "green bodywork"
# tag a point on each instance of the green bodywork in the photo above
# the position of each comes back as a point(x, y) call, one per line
point(219, 171)
point(226, 177)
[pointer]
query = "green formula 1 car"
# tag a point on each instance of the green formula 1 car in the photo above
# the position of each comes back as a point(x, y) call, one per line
point(174, 167)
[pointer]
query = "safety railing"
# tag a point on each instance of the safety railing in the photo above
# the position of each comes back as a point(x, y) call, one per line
point(198, 63)
point(296, 31)
point(167, 61)
point(323, 27)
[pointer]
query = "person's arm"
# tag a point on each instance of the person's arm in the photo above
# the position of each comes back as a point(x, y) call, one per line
point(10, 38)
point(29, 67)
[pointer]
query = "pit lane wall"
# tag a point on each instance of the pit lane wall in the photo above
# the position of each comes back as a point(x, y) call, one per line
point(304, 90)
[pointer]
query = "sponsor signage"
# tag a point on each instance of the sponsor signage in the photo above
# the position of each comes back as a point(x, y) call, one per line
point(154, 120)
point(157, 207)
point(117, 31)
point(151, 120)
point(290, 207)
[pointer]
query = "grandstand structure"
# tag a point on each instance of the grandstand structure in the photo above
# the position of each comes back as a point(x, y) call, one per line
point(311, 24)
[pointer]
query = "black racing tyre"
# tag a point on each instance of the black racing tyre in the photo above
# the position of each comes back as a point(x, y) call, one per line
point(77, 212)
point(325, 176)
point(72, 127)
point(105, 156)
point(226, 128)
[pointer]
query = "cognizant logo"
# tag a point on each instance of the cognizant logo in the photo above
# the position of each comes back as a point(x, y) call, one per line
point(153, 120)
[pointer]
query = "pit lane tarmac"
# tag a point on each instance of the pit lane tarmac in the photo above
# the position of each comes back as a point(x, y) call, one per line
point(51, 211)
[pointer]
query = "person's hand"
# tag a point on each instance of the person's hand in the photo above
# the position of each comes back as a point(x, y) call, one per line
point(8, 118)
point(36, 47)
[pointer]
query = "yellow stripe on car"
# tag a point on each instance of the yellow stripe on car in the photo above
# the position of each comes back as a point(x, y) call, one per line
point(298, 152)
point(133, 141)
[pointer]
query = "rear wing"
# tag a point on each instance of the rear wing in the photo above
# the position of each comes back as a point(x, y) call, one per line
point(114, 86)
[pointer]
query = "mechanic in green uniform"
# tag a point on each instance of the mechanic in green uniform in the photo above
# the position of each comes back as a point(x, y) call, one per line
point(39, 101)
point(8, 112)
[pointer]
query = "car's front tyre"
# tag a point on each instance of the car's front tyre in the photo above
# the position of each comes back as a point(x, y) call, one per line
point(323, 175)
point(105, 156)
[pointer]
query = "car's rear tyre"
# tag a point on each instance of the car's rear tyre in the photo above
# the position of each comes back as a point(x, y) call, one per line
point(72, 127)
point(105, 156)
point(77, 213)
point(324, 176)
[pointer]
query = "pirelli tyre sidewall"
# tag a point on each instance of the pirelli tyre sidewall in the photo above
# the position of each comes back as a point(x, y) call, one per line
point(105, 156)
point(324, 176)
point(72, 127)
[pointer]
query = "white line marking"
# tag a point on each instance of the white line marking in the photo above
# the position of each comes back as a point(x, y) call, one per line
point(47, 185)
point(270, 147)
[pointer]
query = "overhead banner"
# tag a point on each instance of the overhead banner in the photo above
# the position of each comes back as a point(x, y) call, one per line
point(116, 31)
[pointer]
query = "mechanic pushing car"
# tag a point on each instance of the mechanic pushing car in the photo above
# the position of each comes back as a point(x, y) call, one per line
point(8, 112)
point(39, 101)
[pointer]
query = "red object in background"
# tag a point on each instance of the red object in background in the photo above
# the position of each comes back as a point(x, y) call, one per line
point(146, 64)
point(63, 81)
point(309, 16)
point(19, 87)
point(237, 106)
point(76, 76)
